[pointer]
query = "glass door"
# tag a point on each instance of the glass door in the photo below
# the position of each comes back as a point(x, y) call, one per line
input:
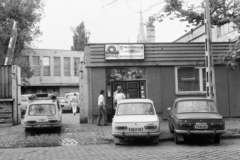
point(133, 90)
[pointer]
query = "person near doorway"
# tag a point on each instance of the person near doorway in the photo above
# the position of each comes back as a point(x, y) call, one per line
point(101, 108)
point(74, 104)
point(114, 101)
point(118, 97)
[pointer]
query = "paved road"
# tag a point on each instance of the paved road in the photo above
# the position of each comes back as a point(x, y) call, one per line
point(227, 149)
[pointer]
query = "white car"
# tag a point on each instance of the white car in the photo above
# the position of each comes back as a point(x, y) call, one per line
point(24, 103)
point(42, 112)
point(135, 118)
point(69, 97)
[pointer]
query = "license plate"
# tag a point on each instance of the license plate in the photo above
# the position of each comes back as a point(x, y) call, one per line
point(201, 126)
point(135, 129)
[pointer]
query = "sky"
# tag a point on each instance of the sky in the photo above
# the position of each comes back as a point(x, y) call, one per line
point(109, 21)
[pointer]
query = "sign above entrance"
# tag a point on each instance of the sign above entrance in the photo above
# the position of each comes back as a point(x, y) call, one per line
point(124, 51)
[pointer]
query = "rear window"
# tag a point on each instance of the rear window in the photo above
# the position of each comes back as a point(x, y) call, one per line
point(196, 106)
point(42, 110)
point(135, 109)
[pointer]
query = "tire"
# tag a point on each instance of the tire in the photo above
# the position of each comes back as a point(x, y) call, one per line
point(155, 140)
point(176, 140)
point(217, 139)
point(59, 129)
point(186, 139)
point(27, 131)
point(116, 141)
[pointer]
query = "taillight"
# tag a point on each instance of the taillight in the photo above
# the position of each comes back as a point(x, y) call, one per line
point(150, 127)
point(121, 127)
point(52, 121)
point(217, 124)
point(185, 124)
point(31, 122)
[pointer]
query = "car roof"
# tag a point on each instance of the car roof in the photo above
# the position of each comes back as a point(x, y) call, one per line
point(192, 98)
point(71, 93)
point(43, 101)
point(135, 100)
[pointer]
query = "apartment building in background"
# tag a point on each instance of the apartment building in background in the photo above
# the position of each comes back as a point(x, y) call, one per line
point(54, 71)
point(223, 33)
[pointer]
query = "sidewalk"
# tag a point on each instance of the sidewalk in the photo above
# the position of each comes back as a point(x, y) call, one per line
point(232, 126)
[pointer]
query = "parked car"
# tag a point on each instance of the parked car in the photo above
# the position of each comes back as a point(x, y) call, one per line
point(135, 118)
point(69, 97)
point(24, 103)
point(64, 103)
point(194, 117)
point(42, 112)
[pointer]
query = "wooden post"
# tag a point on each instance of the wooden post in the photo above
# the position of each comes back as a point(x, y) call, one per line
point(210, 75)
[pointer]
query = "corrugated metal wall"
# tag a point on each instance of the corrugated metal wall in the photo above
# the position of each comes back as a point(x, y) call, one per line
point(158, 54)
point(5, 82)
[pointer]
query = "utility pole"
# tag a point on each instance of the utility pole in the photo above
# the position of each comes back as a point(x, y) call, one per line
point(209, 65)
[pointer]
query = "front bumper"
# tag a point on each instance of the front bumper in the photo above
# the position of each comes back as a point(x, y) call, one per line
point(135, 134)
point(201, 132)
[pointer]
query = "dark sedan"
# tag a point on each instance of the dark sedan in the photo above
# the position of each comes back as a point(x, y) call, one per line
point(195, 116)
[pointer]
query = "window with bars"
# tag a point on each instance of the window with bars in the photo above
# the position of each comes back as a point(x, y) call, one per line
point(190, 79)
point(57, 66)
point(66, 66)
point(35, 65)
point(46, 66)
point(76, 66)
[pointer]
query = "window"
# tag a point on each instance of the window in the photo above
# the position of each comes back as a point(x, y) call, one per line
point(25, 59)
point(76, 66)
point(66, 66)
point(57, 66)
point(135, 109)
point(190, 80)
point(46, 66)
point(35, 65)
point(42, 110)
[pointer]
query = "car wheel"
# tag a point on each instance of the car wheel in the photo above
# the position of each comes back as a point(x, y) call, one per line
point(27, 131)
point(176, 140)
point(216, 139)
point(155, 140)
point(116, 141)
point(186, 138)
point(59, 129)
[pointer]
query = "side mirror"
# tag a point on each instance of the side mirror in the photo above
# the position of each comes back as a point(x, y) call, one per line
point(169, 108)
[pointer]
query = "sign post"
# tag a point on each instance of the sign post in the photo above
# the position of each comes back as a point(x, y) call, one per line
point(210, 75)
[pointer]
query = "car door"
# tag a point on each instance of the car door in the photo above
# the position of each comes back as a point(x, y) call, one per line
point(172, 115)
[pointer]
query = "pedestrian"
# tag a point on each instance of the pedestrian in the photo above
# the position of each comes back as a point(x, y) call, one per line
point(101, 108)
point(74, 104)
point(118, 97)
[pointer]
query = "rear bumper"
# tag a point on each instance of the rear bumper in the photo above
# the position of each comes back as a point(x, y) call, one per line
point(135, 134)
point(42, 126)
point(202, 132)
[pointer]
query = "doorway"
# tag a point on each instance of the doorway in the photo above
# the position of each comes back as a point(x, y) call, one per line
point(131, 89)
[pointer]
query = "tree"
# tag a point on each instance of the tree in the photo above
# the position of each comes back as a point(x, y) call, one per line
point(221, 12)
point(79, 37)
point(27, 13)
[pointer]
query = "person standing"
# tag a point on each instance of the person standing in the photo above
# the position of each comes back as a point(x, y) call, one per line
point(101, 107)
point(118, 97)
point(74, 104)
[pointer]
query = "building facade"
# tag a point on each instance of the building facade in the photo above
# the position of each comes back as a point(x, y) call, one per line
point(54, 71)
point(223, 33)
point(164, 72)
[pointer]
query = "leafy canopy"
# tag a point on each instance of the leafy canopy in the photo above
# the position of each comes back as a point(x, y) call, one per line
point(27, 14)
point(79, 37)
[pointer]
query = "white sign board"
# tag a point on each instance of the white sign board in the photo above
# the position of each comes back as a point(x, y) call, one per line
point(124, 51)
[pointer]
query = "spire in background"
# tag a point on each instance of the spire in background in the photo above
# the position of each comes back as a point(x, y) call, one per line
point(141, 32)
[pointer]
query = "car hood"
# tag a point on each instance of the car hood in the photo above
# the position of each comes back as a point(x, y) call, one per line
point(199, 116)
point(137, 118)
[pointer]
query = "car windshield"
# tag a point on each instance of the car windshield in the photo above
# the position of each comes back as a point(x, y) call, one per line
point(42, 110)
point(70, 97)
point(196, 106)
point(135, 109)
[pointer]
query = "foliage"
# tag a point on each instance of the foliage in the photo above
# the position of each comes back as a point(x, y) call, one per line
point(79, 38)
point(27, 13)
point(221, 11)
point(232, 57)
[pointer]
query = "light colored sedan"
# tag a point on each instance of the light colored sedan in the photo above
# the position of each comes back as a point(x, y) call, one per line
point(64, 103)
point(135, 118)
point(24, 103)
